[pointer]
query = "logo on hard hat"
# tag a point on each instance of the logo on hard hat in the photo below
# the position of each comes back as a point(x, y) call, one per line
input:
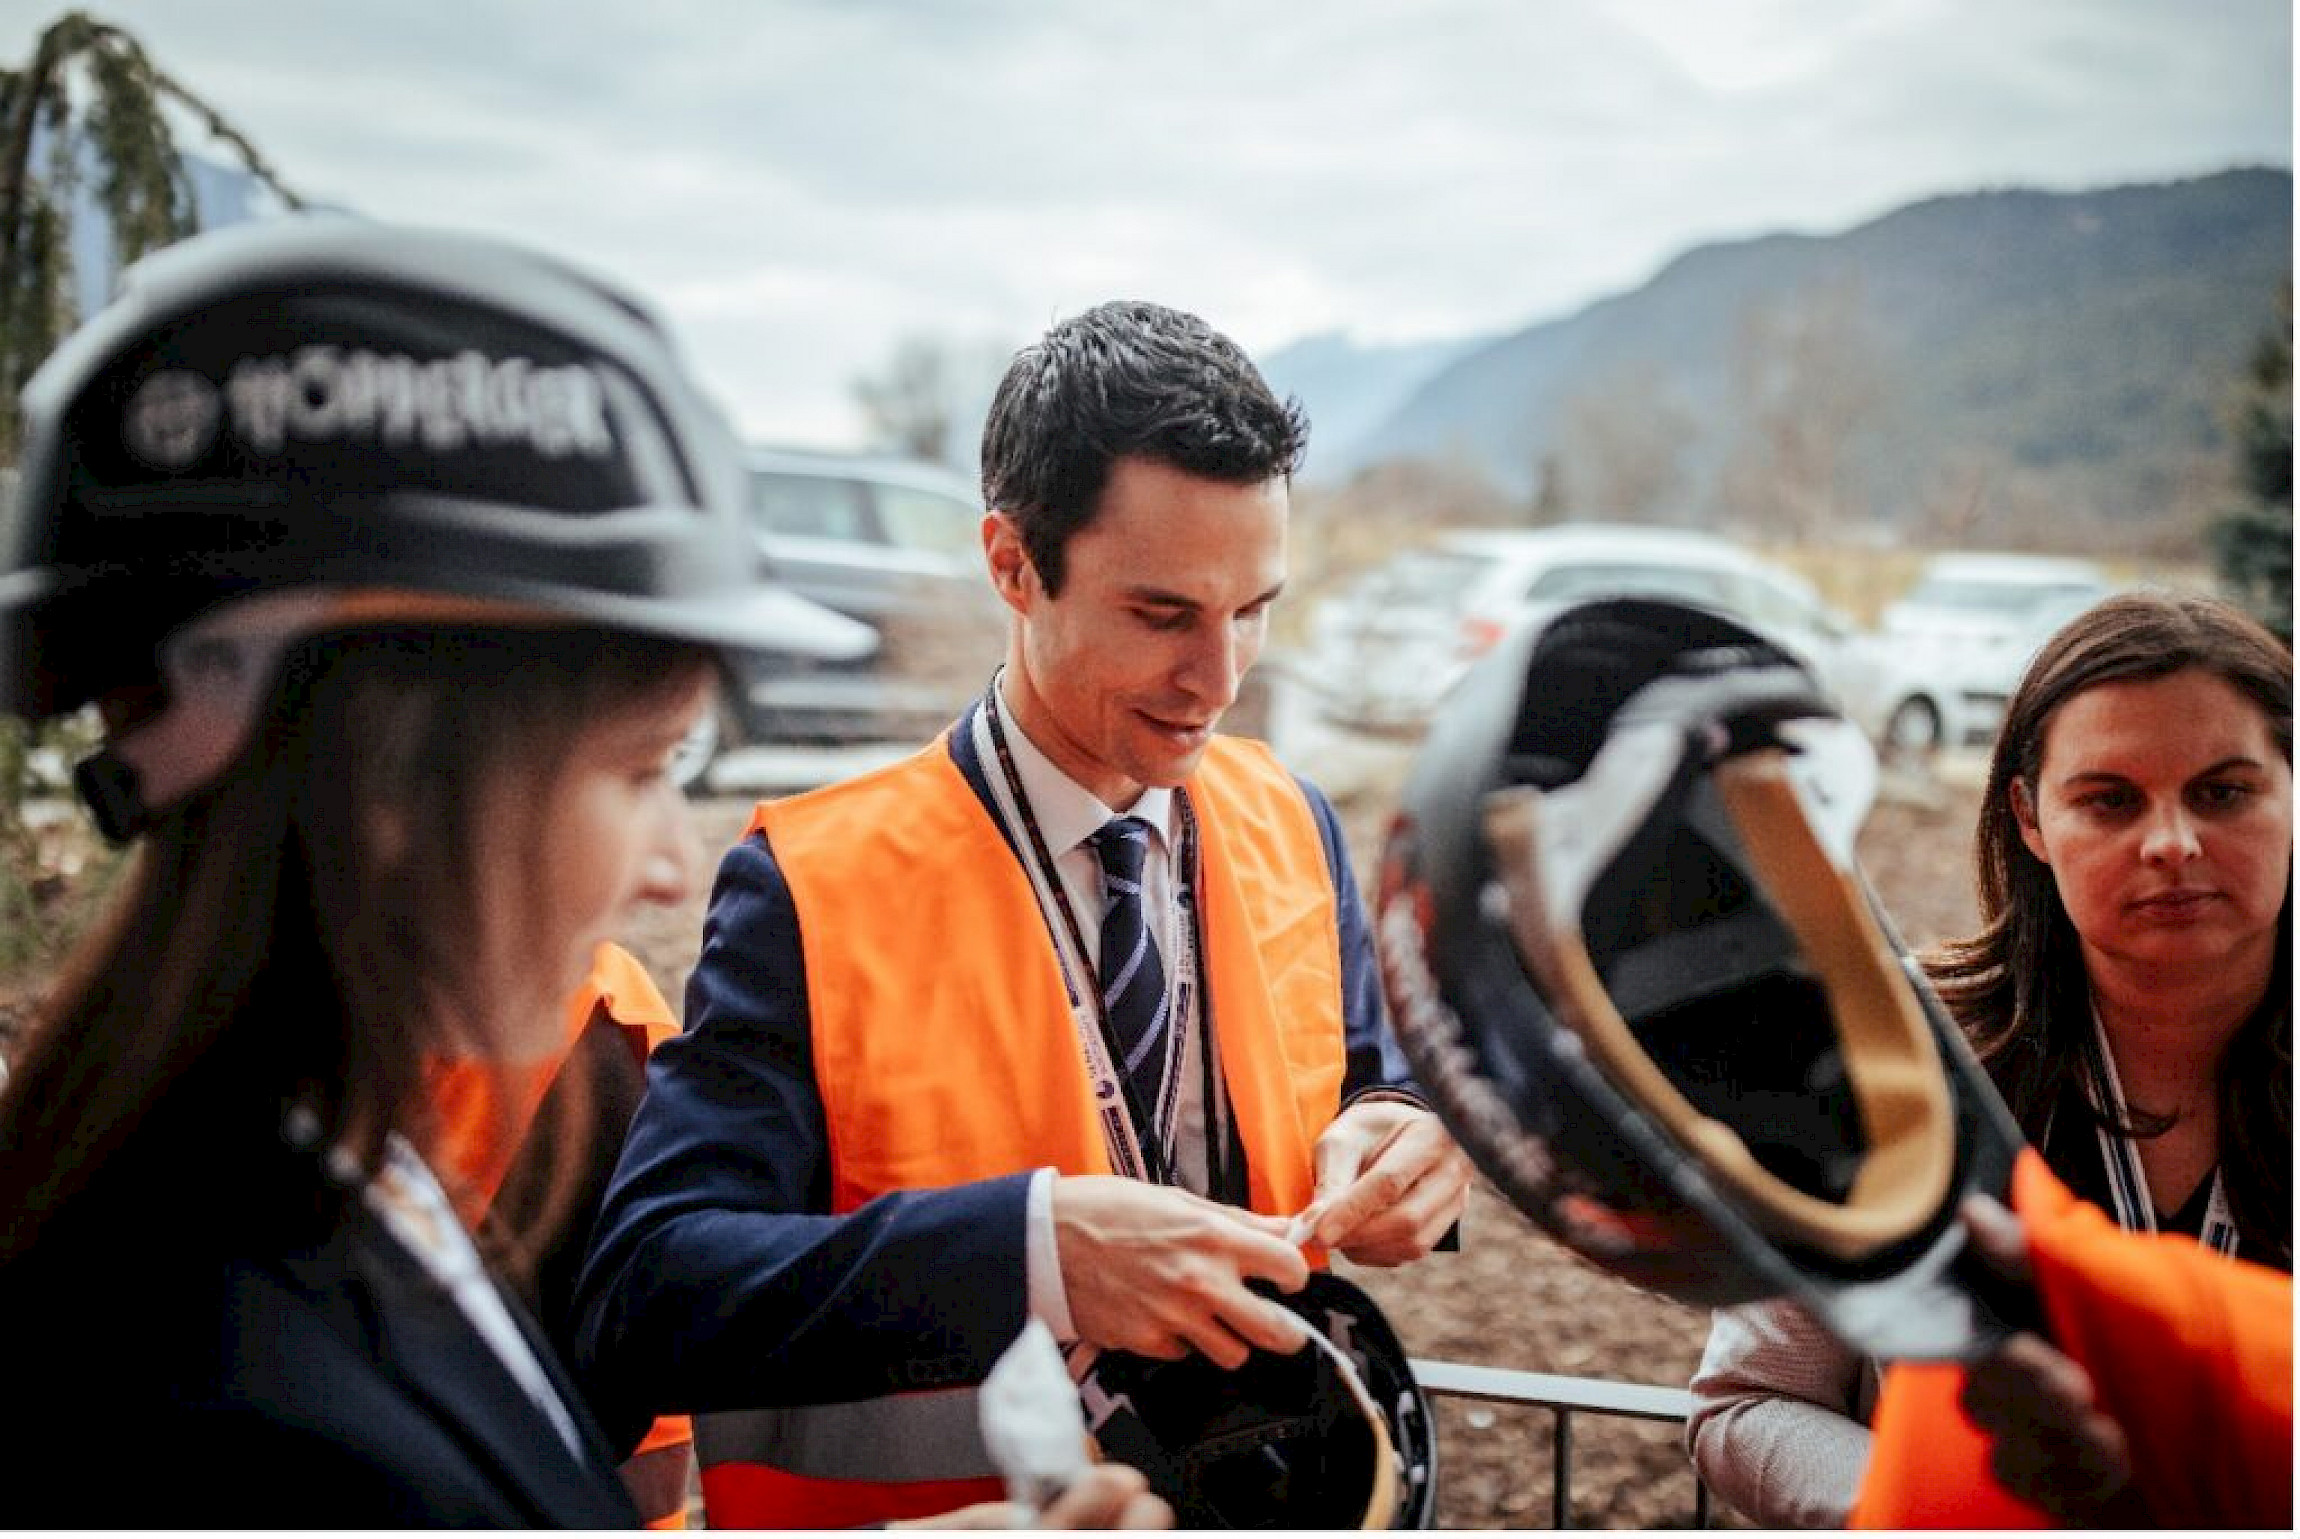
point(171, 419)
point(320, 395)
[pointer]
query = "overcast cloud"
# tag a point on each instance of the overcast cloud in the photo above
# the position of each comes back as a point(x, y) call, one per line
point(796, 185)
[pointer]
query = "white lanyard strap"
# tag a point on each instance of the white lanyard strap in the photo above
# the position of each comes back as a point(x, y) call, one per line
point(2127, 1182)
point(1119, 1133)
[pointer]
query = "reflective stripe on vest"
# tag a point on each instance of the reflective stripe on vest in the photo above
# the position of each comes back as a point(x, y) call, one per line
point(989, 1072)
point(932, 1434)
point(657, 1476)
point(842, 1466)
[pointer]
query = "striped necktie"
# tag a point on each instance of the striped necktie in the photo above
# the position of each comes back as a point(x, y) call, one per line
point(1132, 978)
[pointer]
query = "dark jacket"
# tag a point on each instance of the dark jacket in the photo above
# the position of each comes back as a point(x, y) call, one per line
point(331, 1385)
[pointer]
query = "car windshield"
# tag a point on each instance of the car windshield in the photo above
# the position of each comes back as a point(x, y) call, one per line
point(917, 519)
point(1598, 579)
point(1422, 578)
point(1982, 596)
point(811, 507)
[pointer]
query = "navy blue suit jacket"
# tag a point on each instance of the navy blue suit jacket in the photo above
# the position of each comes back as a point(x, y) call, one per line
point(156, 1384)
point(716, 1278)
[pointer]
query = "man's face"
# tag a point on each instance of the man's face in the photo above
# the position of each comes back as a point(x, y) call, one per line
point(1165, 598)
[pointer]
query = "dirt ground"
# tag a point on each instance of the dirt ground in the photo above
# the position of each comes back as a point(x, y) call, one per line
point(1511, 1298)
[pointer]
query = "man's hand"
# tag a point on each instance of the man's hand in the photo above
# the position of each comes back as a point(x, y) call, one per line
point(1391, 1182)
point(1159, 1271)
point(1106, 1496)
point(2049, 1444)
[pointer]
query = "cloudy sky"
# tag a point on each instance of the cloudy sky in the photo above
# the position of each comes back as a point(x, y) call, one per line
point(796, 184)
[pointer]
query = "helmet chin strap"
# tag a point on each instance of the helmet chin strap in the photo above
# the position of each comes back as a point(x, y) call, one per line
point(108, 786)
point(163, 759)
point(214, 675)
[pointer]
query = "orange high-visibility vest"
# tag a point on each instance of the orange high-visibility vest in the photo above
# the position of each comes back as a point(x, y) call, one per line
point(485, 1111)
point(2190, 1352)
point(945, 1052)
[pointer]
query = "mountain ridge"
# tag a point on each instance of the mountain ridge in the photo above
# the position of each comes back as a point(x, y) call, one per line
point(2081, 342)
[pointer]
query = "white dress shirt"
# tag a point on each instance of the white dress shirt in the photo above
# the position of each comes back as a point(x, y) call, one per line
point(1068, 817)
point(407, 1197)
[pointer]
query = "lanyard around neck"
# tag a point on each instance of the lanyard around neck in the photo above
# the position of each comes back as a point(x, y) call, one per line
point(1123, 1123)
point(2127, 1182)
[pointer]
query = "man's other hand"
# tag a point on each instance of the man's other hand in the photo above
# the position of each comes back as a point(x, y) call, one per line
point(1391, 1182)
point(1160, 1271)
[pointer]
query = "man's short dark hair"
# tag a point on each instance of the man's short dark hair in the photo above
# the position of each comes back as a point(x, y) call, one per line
point(1127, 377)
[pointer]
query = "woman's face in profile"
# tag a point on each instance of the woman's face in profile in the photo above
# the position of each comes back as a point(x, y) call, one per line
point(560, 875)
point(2164, 808)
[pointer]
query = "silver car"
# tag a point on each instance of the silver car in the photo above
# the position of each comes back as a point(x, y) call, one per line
point(893, 543)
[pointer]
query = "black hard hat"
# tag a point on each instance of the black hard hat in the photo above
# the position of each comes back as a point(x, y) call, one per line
point(1337, 1435)
point(325, 402)
point(1634, 963)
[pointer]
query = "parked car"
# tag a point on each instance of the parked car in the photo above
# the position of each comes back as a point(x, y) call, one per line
point(1961, 636)
point(893, 543)
point(1388, 650)
point(1382, 650)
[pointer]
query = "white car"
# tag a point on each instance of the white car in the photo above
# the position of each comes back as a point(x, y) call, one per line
point(1386, 651)
point(1962, 635)
point(1383, 650)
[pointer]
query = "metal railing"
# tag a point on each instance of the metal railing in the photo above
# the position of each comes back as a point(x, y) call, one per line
point(1563, 1396)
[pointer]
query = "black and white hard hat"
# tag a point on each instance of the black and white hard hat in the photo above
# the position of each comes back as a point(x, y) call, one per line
point(1337, 1435)
point(1633, 961)
point(340, 418)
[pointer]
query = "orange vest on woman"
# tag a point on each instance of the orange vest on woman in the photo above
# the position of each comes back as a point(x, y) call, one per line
point(945, 1052)
point(485, 1112)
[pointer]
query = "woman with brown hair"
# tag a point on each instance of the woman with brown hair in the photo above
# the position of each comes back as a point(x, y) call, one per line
point(2129, 992)
point(396, 564)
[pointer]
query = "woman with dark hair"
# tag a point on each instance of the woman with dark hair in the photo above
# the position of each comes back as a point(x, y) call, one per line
point(396, 564)
point(2129, 992)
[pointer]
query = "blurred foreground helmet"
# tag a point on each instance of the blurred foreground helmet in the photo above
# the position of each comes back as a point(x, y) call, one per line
point(1337, 1435)
point(393, 426)
point(1633, 961)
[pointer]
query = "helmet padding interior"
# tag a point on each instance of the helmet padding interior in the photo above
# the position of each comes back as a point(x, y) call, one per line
point(1781, 1044)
